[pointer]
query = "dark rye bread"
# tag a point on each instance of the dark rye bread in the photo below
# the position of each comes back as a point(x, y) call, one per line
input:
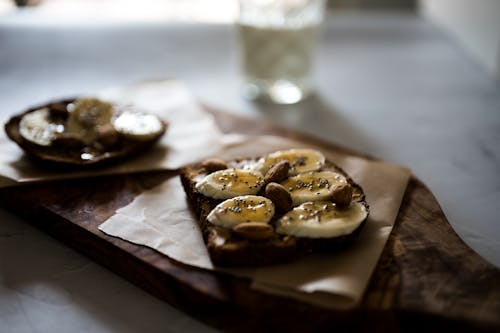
point(228, 249)
point(70, 157)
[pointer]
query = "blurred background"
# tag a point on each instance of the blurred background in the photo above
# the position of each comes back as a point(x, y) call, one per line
point(474, 24)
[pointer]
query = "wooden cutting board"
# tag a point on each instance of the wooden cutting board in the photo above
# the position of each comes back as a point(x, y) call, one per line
point(426, 279)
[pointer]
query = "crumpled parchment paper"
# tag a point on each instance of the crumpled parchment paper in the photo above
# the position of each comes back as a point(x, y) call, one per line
point(192, 134)
point(161, 219)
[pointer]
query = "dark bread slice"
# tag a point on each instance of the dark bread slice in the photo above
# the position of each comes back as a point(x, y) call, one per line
point(63, 156)
point(227, 249)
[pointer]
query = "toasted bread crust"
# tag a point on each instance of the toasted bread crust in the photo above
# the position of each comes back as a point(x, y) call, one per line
point(227, 249)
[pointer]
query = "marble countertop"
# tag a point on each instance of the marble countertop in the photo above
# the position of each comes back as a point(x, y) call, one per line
point(390, 85)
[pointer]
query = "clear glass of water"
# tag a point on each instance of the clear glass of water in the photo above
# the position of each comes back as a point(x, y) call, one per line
point(277, 45)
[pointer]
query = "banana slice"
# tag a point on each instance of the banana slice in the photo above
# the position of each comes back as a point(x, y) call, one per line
point(312, 186)
point(138, 125)
point(301, 160)
point(246, 208)
point(86, 115)
point(36, 127)
point(321, 219)
point(229, 183)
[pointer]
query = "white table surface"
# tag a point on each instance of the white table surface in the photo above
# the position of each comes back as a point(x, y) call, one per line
point(390, 85)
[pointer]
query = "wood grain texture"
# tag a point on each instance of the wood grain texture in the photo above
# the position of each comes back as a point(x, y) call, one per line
point(426, 279)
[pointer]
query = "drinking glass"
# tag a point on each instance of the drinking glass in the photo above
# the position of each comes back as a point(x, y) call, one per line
point(277, 45)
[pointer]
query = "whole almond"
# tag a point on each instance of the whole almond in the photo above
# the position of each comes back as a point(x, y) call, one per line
point(280, 197)
point(214, 164)
point(341, 194)
point(107, 135)
point(68, 140)
point(255, 231)
point(59, 109)
point(277, 173)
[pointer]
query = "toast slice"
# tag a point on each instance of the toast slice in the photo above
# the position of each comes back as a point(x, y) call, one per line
point(69, 151)
point(228, 248)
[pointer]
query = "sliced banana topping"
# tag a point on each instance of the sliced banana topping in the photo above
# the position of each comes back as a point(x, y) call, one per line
point(138, 125)
point(229, 183)
point(37, 127)
point(86, 115)
point(240, 209)
point(301, 160)
point(312, 186)
point(321, 219)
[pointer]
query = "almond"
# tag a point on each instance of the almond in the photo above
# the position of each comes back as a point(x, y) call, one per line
point(280, 197)
point(107, 135)
point(58, 109)
point(254, 230)
point(277, 173)
point(341, 194)
point(214, 164)
point(68, 140)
